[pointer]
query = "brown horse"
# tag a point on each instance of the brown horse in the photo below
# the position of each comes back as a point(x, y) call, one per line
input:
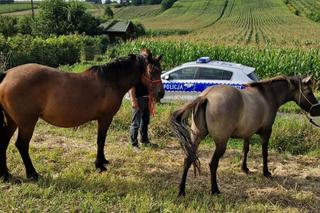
point(32, 91)
point(226, 112)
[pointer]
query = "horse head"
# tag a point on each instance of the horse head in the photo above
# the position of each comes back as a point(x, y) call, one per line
point(303, 95)
point(152, 74)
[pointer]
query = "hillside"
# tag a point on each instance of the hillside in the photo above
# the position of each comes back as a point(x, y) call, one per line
point(237, 22)
point(133, 12)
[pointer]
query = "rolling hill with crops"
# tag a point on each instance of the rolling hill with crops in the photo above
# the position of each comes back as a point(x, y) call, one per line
point(239, 22)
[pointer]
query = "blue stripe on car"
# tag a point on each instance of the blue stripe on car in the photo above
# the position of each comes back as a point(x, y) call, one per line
point(194, 87)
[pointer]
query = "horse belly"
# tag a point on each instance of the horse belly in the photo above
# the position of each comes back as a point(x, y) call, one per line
point(63, 116)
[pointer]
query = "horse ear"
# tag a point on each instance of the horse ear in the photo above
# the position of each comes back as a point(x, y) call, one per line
point(133, 57)
point(149, 59)
point(307, 80)
point(158, 58)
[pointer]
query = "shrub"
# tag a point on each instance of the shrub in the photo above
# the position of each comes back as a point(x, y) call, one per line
point(139, 29)
point(166, 4)
point(52, 51)
point(8, 25)
point(108, 12)
point(24, 25)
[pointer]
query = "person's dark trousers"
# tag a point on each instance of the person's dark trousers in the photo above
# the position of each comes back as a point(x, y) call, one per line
point(140, 120)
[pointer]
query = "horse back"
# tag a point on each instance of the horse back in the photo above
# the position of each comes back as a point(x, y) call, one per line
point(62, 99)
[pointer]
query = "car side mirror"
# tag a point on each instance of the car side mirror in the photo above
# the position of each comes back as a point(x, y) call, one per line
point(167, 77)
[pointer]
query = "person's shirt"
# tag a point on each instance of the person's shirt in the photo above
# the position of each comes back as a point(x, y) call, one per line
point(141, 90)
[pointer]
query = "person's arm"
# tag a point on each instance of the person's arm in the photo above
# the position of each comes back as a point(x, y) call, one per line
point(133, 98)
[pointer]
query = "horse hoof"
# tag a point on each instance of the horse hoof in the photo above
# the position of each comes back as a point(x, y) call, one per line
point(33, 176)
point(267, 174)
point(101, 169)
point(182, 194)
point(245, 170)
point(215, 192)
point(6, 177)
point(105, 161)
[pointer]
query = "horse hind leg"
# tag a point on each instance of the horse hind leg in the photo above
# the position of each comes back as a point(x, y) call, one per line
point(244, 166)
point(218, 153)
point(196, 139)
point(6, 131)
point(22, 144)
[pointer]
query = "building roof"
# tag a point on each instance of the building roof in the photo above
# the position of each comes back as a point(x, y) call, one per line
point(115, 26)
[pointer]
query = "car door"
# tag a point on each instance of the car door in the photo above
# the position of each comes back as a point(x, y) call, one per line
point(179, 84)
point(207, 76)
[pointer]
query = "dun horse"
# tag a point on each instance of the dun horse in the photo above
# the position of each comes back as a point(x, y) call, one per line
point(225, 112)
point(32, 91)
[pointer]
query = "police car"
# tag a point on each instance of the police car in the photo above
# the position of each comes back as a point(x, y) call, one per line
point(187, 81)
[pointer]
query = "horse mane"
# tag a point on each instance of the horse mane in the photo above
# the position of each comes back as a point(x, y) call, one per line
point(269, 81)
point(116, 68)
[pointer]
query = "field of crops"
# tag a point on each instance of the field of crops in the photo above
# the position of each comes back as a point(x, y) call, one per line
point(186, 15)
point(24, 9)
point(9, 8)
point(134, 12)
point(268, 62)
point(237, 22)
point(306, 6)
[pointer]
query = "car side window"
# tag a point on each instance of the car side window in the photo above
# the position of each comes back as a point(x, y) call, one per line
point(213, 74)
point(187, 73)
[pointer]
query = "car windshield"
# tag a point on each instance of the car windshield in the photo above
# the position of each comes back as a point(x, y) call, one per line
point(253, 76)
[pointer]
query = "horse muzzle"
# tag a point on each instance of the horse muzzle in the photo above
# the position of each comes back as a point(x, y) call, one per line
point(315, 110)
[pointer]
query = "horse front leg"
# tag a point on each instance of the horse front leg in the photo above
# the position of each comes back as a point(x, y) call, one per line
point(265, 141)
point(101, 161)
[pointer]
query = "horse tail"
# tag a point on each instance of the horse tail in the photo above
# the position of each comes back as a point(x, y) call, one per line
point(180, 127)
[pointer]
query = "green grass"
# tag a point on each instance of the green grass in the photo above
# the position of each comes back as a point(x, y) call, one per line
point(147, 181)
point(9, 8)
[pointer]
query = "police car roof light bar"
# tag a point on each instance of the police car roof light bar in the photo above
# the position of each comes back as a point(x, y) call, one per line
point(203, 60)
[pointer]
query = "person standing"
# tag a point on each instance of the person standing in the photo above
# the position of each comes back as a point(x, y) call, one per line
point(139, 96)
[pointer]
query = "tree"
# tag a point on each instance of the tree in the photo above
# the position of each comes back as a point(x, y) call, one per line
point(59, 17)
point(166, 4)
point(136, 2)
point(108, 12)
point(52, 18)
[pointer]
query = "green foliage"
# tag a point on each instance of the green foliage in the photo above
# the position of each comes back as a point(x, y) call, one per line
point(59, 17)
point(166, 4)
point(24, 25)
point(108, 12)
point(314, 16)
point(138, 29)
point(52, 51)
point(8, 25)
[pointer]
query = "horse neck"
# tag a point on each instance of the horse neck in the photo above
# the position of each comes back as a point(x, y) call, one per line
point(277, 93)
point(128, 80)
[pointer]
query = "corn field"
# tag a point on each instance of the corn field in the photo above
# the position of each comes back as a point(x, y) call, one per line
point(240, 22)
point(268, 62)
